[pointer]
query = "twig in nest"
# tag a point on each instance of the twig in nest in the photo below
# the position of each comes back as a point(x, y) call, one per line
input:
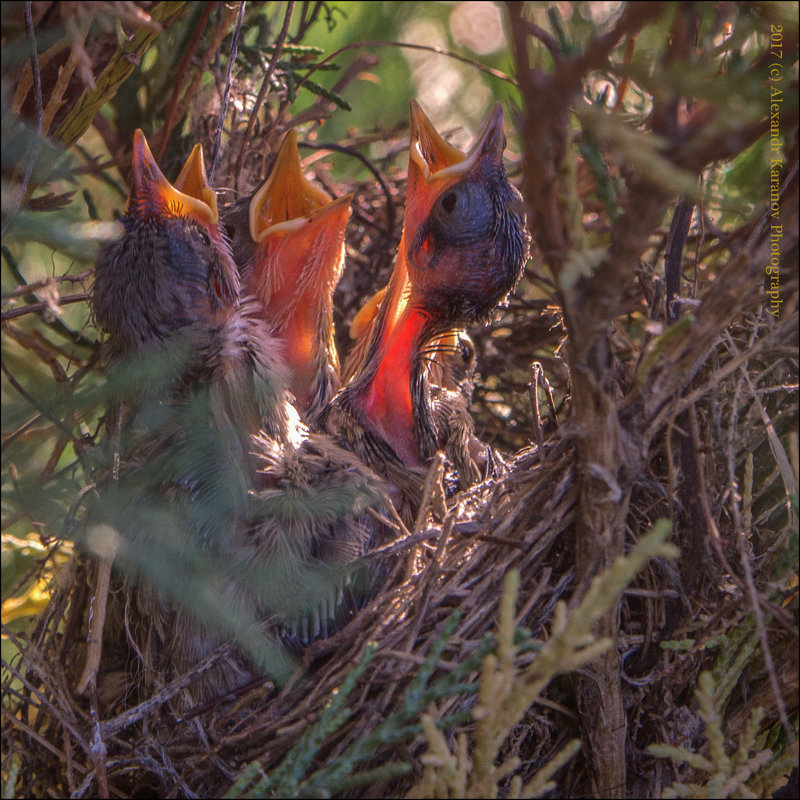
point(36, 737)
point(262, 92)
point(399, 545)
point(97, 620)
point(431, 573)
point(414, 658)
point(97, 751)
point(44, 306)
point(43, 703)
point(769, 662)
point(432, 493)
point(744, 558)
point(350, 151)
point(42, 348)
point(397, 523)
point(121, 722)
point(495, 73)
point(536, 374)
point(98, 602)
point(226, 94)
point(45, 282)
point(40, 408)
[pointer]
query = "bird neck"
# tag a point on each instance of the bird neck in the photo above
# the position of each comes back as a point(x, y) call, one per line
point(301, 334)
point(387, 396)
point(298, 303)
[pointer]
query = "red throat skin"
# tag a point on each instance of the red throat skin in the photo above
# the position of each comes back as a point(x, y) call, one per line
point(386, 399)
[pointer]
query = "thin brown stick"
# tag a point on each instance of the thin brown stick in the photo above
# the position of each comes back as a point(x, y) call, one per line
point(262, 92)
point(37, 308)
point(35, 403)
point(37, 737)
point(97, 620)
point(223, 109)
point(170, 116)
point(32, 287)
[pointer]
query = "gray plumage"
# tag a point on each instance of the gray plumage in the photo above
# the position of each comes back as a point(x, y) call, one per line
point(235, 521)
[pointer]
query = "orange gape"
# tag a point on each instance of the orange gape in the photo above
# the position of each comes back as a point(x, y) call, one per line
point(415, 311)
point(387, 400)
point(190, 196)
point(209, 430)
point(429, 176)
point(193, 181)
point(298, 237)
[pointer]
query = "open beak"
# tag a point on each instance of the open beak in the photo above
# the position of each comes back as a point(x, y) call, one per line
point(298, 230)
point(428, 151)
point(298, 259)
point(193, 180)
point(288, 202)
point(433, 166)
point(365, 317)
point(153, 195)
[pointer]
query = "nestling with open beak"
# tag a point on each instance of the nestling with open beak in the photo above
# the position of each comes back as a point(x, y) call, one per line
point(172, 268)
point(171, 280)
point(288, 240)
point(219, 468)
point(462, 249)
point(167, 294)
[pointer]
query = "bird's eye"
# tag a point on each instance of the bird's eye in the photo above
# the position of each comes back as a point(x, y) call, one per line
point(464, 213)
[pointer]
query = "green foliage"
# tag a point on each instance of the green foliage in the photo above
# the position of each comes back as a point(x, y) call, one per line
point(59, 202)
point(737, 648)
point(285, 780)
point(750, 771)
point(504, 694)
point(118, 69)
point(294, 71)
point(682, 645)
point(508, 691)
point(340, 773)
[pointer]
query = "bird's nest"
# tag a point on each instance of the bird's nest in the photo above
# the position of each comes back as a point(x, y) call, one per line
point(420, 646)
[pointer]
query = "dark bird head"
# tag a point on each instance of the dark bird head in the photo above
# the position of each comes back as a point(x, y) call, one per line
point(464, 242)
point(462, 249)
point(291, 257)
point(173, 267)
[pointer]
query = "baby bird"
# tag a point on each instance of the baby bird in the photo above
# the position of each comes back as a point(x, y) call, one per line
point(288, 240)
point(197, 379)
point(462, 249)
point(170, 288)
point(171, 269)
point(235, 521)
